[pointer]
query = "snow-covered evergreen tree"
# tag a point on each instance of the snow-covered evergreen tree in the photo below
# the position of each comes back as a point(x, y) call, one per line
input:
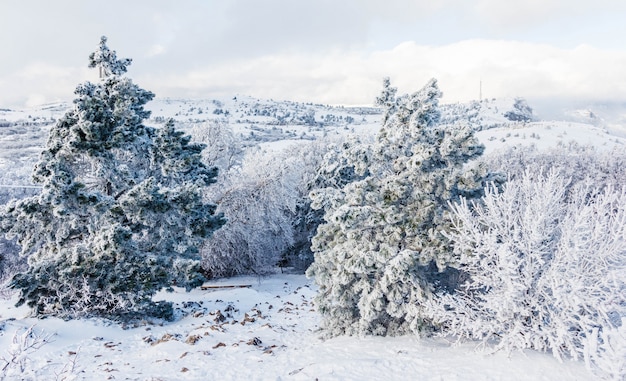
point(378, 254)
point(521, 112)
point(121, 213)
point(546, 270)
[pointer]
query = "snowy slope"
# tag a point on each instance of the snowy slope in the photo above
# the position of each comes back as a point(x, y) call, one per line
point(257, 121)
point(545, 135)
point(265, 332)
point(24, 132)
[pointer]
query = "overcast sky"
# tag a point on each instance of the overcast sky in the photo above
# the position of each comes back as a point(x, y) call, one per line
point(324, 51)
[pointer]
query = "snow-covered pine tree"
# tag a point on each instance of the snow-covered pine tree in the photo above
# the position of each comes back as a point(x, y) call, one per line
point(121, 212)
point(379, 252)
point(521, 112)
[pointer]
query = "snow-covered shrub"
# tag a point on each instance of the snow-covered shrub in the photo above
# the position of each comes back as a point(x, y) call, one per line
point(121, 208)
point(605, 351)
point(224, 149)
point(15, 362)
point(580, 164)
point(259, 199)
point(378, 252)
point(265, 198)
point(309, 157)
point(546, 268)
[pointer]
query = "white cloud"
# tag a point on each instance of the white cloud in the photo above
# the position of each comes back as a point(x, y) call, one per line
point(506, 68)
point(195, 33)
point(324, 51)
point(40, 83)
point(509, 15)
point(156, 50)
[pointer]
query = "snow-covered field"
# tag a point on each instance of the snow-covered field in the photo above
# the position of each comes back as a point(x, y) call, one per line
point(268, 331)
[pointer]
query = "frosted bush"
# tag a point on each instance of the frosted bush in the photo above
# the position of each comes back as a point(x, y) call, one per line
point(224, 149)
point(260, 198)
point(16, 362)
point(605, 351)
point(546, 269)
point(265, 198)
point(580, 164)
point(309, 159)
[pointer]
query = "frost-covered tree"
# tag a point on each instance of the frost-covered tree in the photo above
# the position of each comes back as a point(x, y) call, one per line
point(546, 269)
point(225, 149)
point(322, 165)
point(380, 250)
point(259, 197)
point(121, 212)
point(521, 111)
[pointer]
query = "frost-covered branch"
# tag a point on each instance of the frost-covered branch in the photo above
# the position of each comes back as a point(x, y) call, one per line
point(546, 267)
point(24, 343)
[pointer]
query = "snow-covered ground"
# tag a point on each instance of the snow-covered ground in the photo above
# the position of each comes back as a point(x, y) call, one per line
point(268, 331)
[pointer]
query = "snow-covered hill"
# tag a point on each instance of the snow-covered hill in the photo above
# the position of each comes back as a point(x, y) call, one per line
point(549, 135)
point(23, 132)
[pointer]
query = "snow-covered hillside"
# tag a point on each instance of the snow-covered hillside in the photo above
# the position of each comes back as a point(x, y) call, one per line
point(23, 132)
point(549, 135)
point(509, 121)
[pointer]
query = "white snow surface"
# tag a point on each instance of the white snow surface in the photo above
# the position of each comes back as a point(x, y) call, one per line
point(269, 332)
